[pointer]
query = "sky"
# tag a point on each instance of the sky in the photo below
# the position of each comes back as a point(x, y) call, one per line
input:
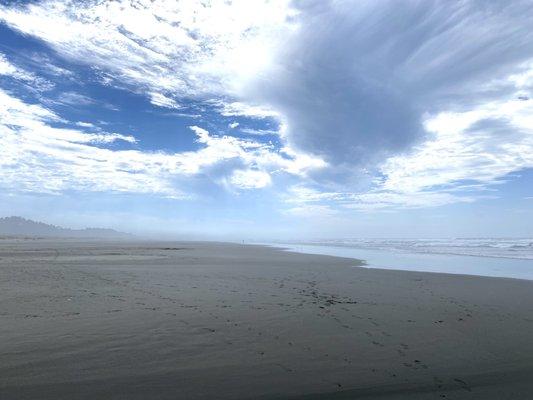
point(269, 119)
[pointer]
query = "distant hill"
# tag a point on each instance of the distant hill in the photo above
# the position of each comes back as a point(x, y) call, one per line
point(18, 226)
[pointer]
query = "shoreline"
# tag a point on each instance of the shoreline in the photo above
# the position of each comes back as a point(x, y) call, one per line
point(494, 267)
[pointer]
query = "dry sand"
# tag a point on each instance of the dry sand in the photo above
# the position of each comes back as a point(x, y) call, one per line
point(132, 320)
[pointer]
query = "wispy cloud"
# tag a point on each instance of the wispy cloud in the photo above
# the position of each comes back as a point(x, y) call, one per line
point(159, 99)
point(424, 99)
point(7, 68)
point(314, 211)
point(259, 132)
point(73, 99)
point(46, 64)
point(483, 145)
point(239, 109)
point(184, 48)
point(250, 179)
point(39, 157)
point(378, 199)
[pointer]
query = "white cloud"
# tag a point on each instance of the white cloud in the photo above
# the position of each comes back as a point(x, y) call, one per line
point(159, 99)
point(355, 80)
point(311, 211)
point(44, 62)
point(38, 157)
point(72, 99)
point(374, 200)
point(9, 69)
point(262, 157)
point(306, 202)
point(259, 132)
point(432, 100)
point(482, 145)
point(15, 115)
point(301, 194)
point(239, 109)
point(203, 134)
point(233, 125)
point(475, 115)
point(250, 179)
point(85, 124)
point(383, 200)
point(186, 48)
point(469, 151)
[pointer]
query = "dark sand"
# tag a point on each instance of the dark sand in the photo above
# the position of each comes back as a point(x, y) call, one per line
point(101, 320)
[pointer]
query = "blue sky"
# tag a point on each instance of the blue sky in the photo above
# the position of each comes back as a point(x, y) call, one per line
point(269, 119)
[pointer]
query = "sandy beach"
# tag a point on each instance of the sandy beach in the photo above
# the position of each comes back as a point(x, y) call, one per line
point(161, 320)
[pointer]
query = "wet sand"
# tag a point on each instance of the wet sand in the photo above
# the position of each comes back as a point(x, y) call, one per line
point(147, 320)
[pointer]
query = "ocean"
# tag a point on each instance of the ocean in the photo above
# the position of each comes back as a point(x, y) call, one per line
point(495, 257)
